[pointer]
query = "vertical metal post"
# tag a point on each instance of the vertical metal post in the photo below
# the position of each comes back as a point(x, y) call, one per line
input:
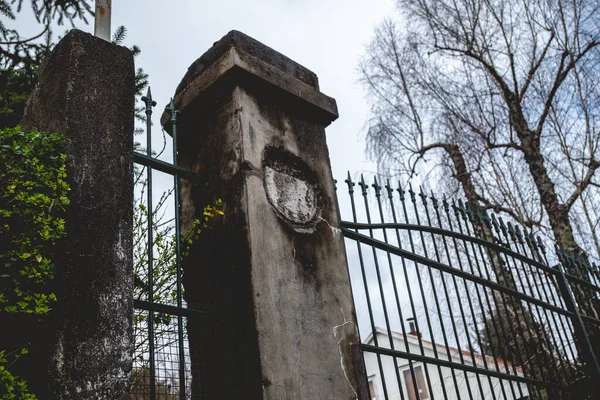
point(102, 19)
point(174, 114)
point(147, 99)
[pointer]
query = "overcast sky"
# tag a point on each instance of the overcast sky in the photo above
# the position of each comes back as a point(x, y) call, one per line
point(326, 36)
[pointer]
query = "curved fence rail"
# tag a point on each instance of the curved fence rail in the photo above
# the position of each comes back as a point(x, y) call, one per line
point(455, 303)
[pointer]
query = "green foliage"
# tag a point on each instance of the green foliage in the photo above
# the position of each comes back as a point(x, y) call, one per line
point(164, 283)
point(209, 212)
point(32, 198)
point(20, 82)
point(13, 387)
point(164, 271)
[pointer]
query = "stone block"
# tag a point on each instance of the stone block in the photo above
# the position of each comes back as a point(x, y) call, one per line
point(272, 273)
point(86, 91)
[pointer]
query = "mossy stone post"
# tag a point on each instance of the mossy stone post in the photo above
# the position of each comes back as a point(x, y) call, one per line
point(272, 273)
point(86, 91)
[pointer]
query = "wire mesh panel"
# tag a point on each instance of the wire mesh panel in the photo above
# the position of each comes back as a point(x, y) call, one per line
point(454, 303)
point(163, 359)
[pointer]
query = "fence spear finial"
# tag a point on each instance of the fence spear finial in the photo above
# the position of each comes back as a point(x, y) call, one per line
point(147, 99)
point(363, 185)
point(376, 186)
point(389, 189)
point(350, 184)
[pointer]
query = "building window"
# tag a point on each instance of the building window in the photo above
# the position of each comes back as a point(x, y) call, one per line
point(410, 385)
point(372, 392)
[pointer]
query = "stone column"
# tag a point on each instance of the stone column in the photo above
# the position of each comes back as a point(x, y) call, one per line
point(272, 273)
point(86, 91)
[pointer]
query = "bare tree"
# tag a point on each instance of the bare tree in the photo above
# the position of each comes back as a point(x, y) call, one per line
point(503, 96)
point(507, 90)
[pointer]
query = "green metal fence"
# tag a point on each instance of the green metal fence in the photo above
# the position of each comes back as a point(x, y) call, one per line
point(163, 358)
point(454, 303)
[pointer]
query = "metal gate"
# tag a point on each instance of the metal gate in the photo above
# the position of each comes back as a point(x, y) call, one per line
point(454, 303)
point(164, 365)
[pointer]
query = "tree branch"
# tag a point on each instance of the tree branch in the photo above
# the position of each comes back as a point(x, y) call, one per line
point(535, 67)
point(561, 75)
point(18, 42)
point(581, 186)
point(466, 181)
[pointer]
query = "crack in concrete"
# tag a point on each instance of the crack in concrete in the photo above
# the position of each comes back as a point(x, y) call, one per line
point(335, 334)
point(335, 231)
point(293, 251)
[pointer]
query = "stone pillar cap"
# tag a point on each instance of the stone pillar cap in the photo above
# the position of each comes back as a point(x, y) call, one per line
point(237, 59)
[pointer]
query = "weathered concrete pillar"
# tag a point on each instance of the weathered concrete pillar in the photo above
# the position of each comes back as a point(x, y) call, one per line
point(86, 91)
point(272, 274)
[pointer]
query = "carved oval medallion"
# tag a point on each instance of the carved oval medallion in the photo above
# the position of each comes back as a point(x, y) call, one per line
point(291, 188)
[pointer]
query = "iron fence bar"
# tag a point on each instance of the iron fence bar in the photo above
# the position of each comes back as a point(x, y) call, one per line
point(366, 288)
point(435, 205)
point(463, 274)
point(590, 319)
point(478, 225)
point(579, 281)
point(566, 345)
point(149, 104)
point(468, 217)
point(560, 340)
point(182, 380)
point(552, 366)
point(469, 301)
point(584, 299)
point(491, 385)
point(500, 270)
point(412, 248)
point(462, 313)
point(489, 303)
point(464, 367)
point(165, 167)
point(578, 325)
point(409, 289)
point(529, 308)
point(430, 273)
point(563, 303)
point(446, 232)
point(394, 283)
point(514, 303)
point(377, 189)
point(501, 227)
point(548, 313)
point(527, 275)
point(150, 306)
point(167, 309)
point(572, 331)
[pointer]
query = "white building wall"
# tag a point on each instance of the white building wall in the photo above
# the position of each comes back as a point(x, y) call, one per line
point(437, 375)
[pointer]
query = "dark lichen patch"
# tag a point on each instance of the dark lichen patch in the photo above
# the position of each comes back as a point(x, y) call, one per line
point(266, 381)
point(284, 161)
point(305, 259)
point(252, 132)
